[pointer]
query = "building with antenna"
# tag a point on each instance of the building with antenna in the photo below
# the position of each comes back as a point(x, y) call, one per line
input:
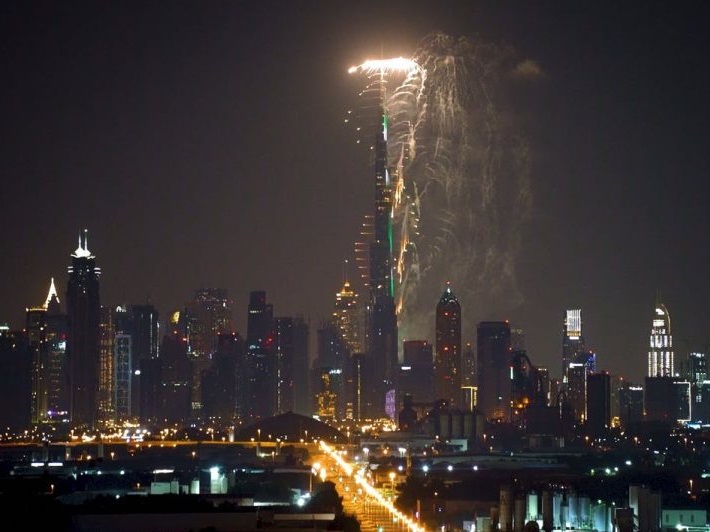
point(83, 316)
point(383, 336)
point(447, 359)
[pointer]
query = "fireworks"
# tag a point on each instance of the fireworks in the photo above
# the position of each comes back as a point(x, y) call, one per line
point(382, 66)
point(461, 171)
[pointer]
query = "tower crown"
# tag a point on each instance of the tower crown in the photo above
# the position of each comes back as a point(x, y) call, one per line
point(83, 250)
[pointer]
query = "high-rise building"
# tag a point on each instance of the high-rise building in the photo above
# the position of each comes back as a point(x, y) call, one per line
point(696, 373)
point(598, 403)
point(220, 381)
point(174, 374)
point(416, 374)
point(122, 383)
point(447, 359)
point(44, 332)
point(382, 337)
point(259, 401)
point(493, 365)
point(346, 315)
point(143, 327)
point(630, 404)
point(301, 370)
point(572, 339)
point(284, 359)
point(57, 372)
point(208, 315)
point(332, 357)
point(83, 315)
point(660, 354)
point(107, 365)
point(15, 393)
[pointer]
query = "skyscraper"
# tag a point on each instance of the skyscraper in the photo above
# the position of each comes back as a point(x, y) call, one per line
point(494, 361)
point(43, 329)
point(416, 374)
point(284, 355)
point(572, 339)
point(382, 337)
point(301, 370)
point(107, 365)
point(260, 390)
point(447, 361)
point(209, 314)
point(346, 316)
point(598, 403)
point(57, 372)
point(15, 394)
point(660, 354)
point(83, 314)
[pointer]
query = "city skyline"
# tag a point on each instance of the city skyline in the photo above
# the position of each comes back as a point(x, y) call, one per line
point(200, 148)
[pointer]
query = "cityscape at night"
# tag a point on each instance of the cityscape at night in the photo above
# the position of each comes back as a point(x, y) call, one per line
point(382, 267)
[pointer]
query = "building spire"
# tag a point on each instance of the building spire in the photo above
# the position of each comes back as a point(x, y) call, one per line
point(83, 250)
point(52, 293)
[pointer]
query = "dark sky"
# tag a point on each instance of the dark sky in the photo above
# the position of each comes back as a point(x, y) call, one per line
point(202, 144)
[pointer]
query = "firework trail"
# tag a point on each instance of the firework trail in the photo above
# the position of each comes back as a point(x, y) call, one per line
point(462, 182)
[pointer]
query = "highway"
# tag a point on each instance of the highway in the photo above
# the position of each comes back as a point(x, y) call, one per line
point(372, 508)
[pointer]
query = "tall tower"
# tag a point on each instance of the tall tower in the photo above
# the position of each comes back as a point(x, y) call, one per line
point(447, 362)
point(83, 315)
point(106, 399)
point(494, 362)
point(346, 316)
point(47, 334)
point(259, 401)
point(572, 340)
point(660, 354)
point(383, 319)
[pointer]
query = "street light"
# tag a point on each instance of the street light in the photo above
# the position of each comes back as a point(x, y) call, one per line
point(392, 475)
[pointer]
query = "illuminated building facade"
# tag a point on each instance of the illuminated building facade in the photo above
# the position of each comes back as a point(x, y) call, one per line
point(447, 360)
point(57, 371)
point(660, 354)
point(572, 339)
point(494, 369)
point(382, 337)
point(123, 370)
point(331, 360)
point(46, 334)
point(107, 365)
point(346, 316)
point(83, 315)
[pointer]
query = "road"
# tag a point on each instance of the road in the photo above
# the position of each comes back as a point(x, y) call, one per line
point(374, 511)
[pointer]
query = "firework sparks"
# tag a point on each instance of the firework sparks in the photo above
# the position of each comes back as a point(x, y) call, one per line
point(459, 212)
point(383, 66)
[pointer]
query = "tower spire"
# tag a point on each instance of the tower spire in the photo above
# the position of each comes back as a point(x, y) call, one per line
point(52, 293)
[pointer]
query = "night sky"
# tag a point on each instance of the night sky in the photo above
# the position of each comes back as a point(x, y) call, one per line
point(203, 144)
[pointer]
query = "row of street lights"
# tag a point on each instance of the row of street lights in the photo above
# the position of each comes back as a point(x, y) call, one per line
point(372, 492)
